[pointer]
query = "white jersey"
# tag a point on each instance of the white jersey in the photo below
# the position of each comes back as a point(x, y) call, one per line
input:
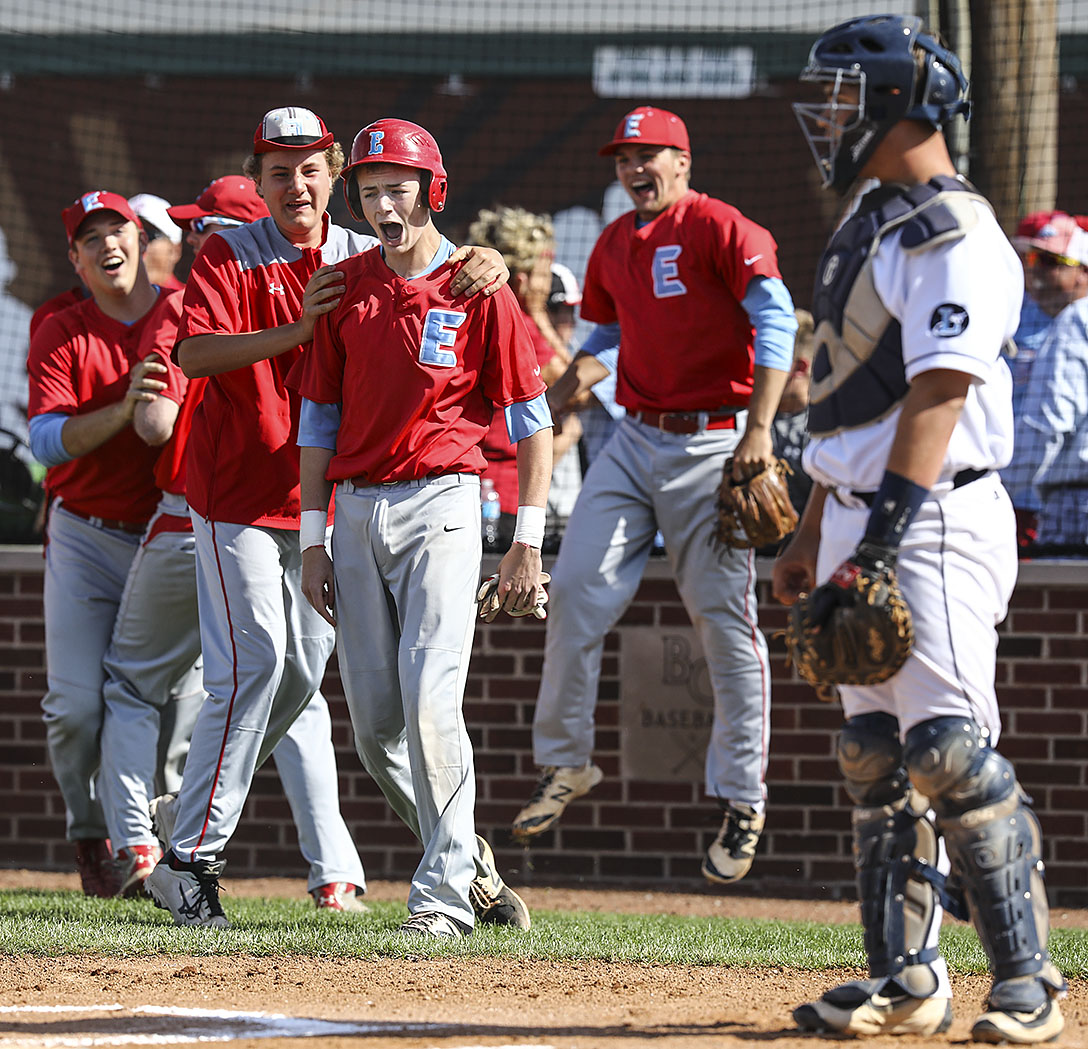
point(957, 304)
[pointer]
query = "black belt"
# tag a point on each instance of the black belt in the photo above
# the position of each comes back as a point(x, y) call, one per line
point(958, 481)
point(688, 422)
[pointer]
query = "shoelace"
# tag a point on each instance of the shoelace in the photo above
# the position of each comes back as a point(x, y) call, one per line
point(421, 922)
point(207, 879)
point(542, 785)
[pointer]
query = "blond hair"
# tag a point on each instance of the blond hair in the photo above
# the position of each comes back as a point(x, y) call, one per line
point(518, 235)
point(334, 157)
point(804, 344)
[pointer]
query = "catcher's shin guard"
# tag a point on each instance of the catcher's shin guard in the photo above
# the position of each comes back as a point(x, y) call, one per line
point(895, 852)
point(995, 848)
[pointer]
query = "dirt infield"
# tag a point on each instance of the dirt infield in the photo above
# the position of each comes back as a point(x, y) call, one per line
point(269, 1003)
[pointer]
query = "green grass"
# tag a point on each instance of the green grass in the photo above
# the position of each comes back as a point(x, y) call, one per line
point(60, 923)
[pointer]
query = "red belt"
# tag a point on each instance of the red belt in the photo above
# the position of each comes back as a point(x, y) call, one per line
point(132, 527)
point(688, 422)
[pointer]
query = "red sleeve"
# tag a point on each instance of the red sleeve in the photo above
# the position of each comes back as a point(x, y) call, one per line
point(159, 337)
point(51, 369)
point(319, 374)
point(511, 374)
point(597, 305)
point(212, 302)
point(741, 249)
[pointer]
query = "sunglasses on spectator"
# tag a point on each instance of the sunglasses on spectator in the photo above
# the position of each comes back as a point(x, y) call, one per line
point(206, 223)
point(1047, 260)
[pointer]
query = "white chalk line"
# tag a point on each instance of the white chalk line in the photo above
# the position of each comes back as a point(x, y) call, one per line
point(256, 1025)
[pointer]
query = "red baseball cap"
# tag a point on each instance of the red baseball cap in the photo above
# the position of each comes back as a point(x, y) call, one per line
point(291, 127)
point(96, 200)
point(230, 197)
point(1059, 235)
point(1030, 224)
point(648, 126)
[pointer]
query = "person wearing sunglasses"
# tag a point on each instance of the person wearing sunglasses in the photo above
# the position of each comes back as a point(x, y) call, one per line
point(1049, 471)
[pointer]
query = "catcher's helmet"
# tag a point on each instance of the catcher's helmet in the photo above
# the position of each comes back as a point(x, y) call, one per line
point(901, 73)
point(392, 141)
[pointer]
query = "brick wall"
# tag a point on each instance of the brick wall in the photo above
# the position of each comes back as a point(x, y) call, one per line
point(628, 829)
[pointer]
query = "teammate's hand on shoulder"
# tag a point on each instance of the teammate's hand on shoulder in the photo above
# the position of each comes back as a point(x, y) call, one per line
point(143, 384)
point(477, 270)
point(322, 293)
point(317, 582)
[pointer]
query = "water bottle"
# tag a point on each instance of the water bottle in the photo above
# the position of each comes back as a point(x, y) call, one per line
point(489, 514)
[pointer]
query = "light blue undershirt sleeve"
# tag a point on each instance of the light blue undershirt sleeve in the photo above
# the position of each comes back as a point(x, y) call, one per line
point(46, 444)
point(318, 425)
point(527, 417)
point(604, 344)
point(770, 309)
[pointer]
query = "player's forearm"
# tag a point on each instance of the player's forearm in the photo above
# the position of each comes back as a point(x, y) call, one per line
point(154, 420)
point(314, 490)
point(767, 387)
point(534, 457)
point(930, 412)
point(583, 372)
point(202, 355)
point(84, 433)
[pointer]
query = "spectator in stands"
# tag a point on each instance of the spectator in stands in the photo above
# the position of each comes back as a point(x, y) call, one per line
point(1054, 249)
point(163, 240)
point(527, 245)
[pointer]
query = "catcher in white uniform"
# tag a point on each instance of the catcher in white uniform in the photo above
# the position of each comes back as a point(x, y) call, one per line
point(911, 418)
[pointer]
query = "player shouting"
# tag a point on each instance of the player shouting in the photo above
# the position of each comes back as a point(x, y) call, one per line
point(402, 582)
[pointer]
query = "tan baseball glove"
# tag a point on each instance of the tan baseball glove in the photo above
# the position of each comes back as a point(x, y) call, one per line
point(755, 512)
point(490, 603)
point(855, 629)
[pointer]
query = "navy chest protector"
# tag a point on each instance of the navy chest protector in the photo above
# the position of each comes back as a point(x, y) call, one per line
point(857, 373)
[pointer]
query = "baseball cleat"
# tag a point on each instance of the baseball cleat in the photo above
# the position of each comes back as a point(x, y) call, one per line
point(878, 1006)
point(435, 924)
point(1023, 1010)
point(730, 856)
point(189, 891)
point(493, 901)
point(134, 864)
point(557, 787)
point(164, 811)
point(338, 896)
point(97, 872)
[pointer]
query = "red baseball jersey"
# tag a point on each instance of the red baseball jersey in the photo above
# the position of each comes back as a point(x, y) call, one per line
point(80, 361)
point(417, 372)
point(675, 285)
point(186, 393)
point(243, 457)
point(55, 305)
point(501, 455)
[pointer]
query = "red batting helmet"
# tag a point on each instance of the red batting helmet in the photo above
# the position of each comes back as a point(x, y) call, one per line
point(392, 141)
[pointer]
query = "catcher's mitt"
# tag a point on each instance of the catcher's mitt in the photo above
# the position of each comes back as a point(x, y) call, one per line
point(856, 628)
point(490, 604)
point(757, 511)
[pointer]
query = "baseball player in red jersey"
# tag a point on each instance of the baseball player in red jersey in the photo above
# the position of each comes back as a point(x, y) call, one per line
point(252, 299)
point(402, 583)
point(691, 289)
point(157, 633)
point(85, 383)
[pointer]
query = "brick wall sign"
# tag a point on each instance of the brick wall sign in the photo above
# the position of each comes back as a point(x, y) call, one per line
point(668, 705)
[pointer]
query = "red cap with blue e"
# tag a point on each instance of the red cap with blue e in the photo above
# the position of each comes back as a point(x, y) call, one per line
point(648, 126)
point(96, 200)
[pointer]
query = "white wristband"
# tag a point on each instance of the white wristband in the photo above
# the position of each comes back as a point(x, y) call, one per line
point(529, 528)
point(311, 528)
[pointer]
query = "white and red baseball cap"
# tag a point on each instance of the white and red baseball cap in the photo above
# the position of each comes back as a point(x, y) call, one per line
point(650, 127)
point(291, 127)
point(1060, 235)
point(92, 201)
point(564, 290)
point(230, 197)
point(154, 211)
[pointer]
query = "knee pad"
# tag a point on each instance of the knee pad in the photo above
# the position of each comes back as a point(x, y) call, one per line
point(871, 760)
point(993, 840)
point(895, 853)
point(951, 763)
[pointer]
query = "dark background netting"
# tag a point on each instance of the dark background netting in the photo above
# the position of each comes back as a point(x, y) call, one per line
point(149, 96)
